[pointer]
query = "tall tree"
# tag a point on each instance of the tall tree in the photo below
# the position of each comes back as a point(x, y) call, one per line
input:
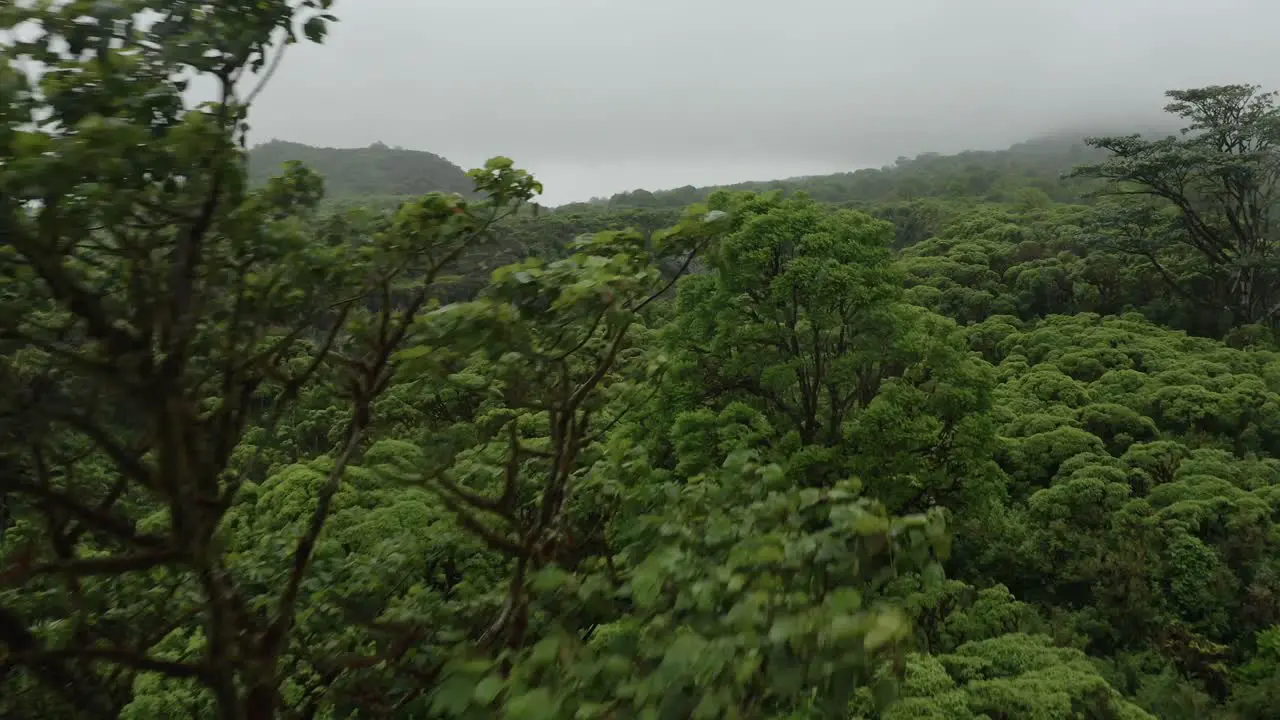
point(801, 317)
point(1213, 190)
point(154, 312)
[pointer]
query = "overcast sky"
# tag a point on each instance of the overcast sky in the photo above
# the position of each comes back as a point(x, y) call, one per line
point(597, 96)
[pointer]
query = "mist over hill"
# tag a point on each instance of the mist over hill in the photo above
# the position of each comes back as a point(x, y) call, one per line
point(994, 175)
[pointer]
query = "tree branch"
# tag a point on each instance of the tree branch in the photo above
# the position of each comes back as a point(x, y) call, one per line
point(132, 659)
point(80, 567)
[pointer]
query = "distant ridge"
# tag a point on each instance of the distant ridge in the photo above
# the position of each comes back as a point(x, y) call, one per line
point(991, 175)
point(354, 172)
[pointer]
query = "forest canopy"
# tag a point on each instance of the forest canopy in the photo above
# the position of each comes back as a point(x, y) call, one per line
point(963, 439)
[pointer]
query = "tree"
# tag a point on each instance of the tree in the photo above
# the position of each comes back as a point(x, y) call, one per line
point(1013, 675)
point(226, 419)
point(619, 576)
point(155, 314)
point(1211, 190)
point(801, 318)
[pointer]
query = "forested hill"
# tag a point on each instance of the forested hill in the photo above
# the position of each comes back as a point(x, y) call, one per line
point(995, 176)
point(379, 171)
point(354, 172)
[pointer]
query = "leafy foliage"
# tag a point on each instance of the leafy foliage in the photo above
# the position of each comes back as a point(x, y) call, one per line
point(1209, 193)
point(951, 452)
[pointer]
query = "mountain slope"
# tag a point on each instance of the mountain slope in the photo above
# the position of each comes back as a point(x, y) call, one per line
point(351, 172)
point(993, 175)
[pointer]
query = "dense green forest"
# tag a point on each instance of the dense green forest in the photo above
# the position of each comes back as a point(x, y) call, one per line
point(960, 438)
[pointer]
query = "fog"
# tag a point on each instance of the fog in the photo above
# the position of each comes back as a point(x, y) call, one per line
point(597, 96)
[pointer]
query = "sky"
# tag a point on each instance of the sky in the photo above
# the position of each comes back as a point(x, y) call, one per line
point(600, 96)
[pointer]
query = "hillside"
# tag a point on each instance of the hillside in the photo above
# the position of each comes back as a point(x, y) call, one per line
point(987, 175)
point(357, 172)
point(994, 176)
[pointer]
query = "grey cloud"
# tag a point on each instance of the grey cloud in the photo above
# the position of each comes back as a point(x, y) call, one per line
point(601, 95)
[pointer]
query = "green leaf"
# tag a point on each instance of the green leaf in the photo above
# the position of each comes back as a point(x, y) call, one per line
point(452, 696)
point(415, 352)
point(590, 710)
point(487, 690)
point(810, 497)
point(545, 652)
point(683, 653)
point(550, 578)
point(315, 29)
point(889, 626)
point(866, 524)
point(537, 704)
